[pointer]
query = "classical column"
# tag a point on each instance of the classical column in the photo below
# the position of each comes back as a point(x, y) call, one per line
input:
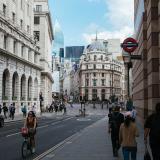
point(10, 44)
point(1, 39)
point(1, 79)
point(9, 88)
point(19, 89)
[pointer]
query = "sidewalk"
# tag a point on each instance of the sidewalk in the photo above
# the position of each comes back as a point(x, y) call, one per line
point(92, 143)
point(71, 111)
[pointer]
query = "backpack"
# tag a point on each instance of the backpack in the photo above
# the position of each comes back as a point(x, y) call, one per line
point(12, 109)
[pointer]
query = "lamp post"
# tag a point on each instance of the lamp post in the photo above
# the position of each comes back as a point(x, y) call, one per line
point(128, 63)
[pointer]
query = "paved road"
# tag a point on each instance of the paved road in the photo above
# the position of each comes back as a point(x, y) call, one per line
point(51, 131)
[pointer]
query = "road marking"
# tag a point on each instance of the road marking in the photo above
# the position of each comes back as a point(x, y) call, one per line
point(10, 135)
point(42, 126)
point(13, 134)
point(55, 147)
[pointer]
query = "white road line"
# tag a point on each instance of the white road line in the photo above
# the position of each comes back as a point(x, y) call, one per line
point(55, 147)
point(13, 134)
point(42, 126)
point(10, 135)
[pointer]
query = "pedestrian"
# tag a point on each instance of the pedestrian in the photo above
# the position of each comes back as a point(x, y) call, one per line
point(12, 111)
point(129, 104)
point(24, 110)
point(116, 119)
point(5, 110)
point(133, 113)
point(10, 106)
point(152, 128)
point(34, 108)
point(127, 137)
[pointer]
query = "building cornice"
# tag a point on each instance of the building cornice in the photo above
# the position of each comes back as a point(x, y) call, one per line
point(16, 27)
point(48, 75)
point(9, 54)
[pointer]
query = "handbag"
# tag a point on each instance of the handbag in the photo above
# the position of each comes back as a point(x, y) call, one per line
point(147, 155)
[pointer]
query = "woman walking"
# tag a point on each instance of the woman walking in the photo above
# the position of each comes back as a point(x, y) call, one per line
point(127, 136)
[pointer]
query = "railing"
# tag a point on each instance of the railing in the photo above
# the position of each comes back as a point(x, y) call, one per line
point(14, 98)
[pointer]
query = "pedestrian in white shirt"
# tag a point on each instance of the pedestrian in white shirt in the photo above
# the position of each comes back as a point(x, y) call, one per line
point(133, 113)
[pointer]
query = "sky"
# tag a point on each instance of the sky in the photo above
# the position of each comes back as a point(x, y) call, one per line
point(80, 19)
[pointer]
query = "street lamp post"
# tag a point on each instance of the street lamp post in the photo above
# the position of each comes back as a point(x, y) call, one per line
point(128, 63)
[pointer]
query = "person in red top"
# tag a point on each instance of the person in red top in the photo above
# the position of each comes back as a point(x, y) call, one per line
point(31, 123)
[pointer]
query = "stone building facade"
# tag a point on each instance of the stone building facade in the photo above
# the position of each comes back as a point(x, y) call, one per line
point(43, 33)
point(146, 73)
point(100, 74)
point(20, 69)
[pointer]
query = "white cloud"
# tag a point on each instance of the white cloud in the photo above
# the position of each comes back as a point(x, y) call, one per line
point(119, 15)
point(117, 34)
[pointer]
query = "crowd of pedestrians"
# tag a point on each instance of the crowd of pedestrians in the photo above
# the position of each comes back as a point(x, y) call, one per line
point(8, 111)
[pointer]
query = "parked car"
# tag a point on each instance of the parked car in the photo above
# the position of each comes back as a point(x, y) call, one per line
point(1, 121)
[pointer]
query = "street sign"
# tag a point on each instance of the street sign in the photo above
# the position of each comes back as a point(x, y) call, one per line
point(129, 45)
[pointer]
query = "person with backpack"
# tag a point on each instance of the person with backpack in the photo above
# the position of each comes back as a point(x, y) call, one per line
point(116, 119)
point(12, 111)
point(152, 129)
point(31, 125)
point(127, 137)
point(24, 110)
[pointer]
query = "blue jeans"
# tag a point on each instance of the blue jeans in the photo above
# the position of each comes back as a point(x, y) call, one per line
point(129, 150)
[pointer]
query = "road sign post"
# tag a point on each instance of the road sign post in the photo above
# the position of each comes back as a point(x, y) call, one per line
point(129, 45)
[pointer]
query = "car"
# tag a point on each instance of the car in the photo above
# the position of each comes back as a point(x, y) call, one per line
point(1, 121)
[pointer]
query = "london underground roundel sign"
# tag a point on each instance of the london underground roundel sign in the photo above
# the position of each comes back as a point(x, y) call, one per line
point(129, 45)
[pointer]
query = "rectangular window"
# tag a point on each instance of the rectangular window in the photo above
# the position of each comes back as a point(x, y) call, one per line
point(87, 82)
point(94, 74)
point(4, 9)
point(103, 82)
point(102, 66)
point(36, 35)
point(36, 20)
point(94, 82)
point(14, 47)
point(5, 42)
point(21, 23)
point(94, 66)
point(22, 51)
point(13, 17)
point(102, 74)
point(38, 8)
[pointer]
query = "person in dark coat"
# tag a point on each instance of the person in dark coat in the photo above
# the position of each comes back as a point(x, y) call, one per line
point(116, 119)
point(152, 129)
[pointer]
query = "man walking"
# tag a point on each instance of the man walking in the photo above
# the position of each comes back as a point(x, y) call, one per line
point(152, 128)
point(116, 118)
point(12, 111)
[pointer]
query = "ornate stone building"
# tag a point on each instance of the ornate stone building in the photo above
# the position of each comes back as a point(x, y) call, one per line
point(100, 74)
point(20, 70)
point(43, 33)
